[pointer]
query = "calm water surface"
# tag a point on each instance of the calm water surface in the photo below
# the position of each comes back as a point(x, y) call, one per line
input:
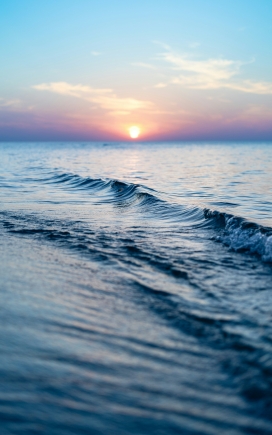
point(135, 287)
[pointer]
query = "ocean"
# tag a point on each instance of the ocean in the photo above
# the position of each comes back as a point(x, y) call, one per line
point(136, 288)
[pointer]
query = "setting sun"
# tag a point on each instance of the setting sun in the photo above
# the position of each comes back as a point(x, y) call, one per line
point(134, 132)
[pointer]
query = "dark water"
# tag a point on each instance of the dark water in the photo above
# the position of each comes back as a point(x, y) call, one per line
point(136, 292)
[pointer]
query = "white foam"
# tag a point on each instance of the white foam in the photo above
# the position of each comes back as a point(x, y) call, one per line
point(252, 240)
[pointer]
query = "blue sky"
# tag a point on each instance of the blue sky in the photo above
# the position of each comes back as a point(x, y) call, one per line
point(89, 69)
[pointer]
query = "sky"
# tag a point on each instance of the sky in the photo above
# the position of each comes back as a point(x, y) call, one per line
point(178, 70)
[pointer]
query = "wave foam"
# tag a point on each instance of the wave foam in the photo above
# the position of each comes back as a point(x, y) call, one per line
point(242, 235)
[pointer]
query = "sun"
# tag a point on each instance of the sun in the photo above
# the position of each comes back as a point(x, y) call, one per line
point(134, 132)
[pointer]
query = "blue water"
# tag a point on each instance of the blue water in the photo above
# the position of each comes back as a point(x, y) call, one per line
point(135, 288)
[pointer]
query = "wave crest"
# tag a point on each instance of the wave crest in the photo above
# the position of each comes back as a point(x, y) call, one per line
point(242, 235)
point(235, 232)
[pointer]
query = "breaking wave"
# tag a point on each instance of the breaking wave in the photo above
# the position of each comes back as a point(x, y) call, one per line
point(233, 231)
point(238, 233)
point(242, 235)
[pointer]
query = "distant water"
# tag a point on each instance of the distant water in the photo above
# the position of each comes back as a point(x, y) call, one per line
point(135, 289)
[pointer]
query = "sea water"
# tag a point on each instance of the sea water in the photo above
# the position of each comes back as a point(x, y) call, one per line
point(136, 288)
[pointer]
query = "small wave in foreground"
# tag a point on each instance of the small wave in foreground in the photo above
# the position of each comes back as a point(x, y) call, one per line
point(235, 232)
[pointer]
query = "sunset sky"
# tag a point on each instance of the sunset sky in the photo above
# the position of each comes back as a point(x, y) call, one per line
point(176, 69)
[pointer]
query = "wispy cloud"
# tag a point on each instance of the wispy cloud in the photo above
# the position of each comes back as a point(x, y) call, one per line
point(103, 98)
point(10, 104)
point(143, 65)
point(254, 114)
point(14, 105)
point(96, 53)
point(210, 74)
point(249, 86)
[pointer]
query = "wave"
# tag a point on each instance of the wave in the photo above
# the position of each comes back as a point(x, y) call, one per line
point(109, 189)
point(123, 194)
point(233, 231)
point(242, 235)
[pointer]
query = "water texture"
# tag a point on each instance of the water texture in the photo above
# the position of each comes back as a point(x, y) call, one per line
point(135, 286)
